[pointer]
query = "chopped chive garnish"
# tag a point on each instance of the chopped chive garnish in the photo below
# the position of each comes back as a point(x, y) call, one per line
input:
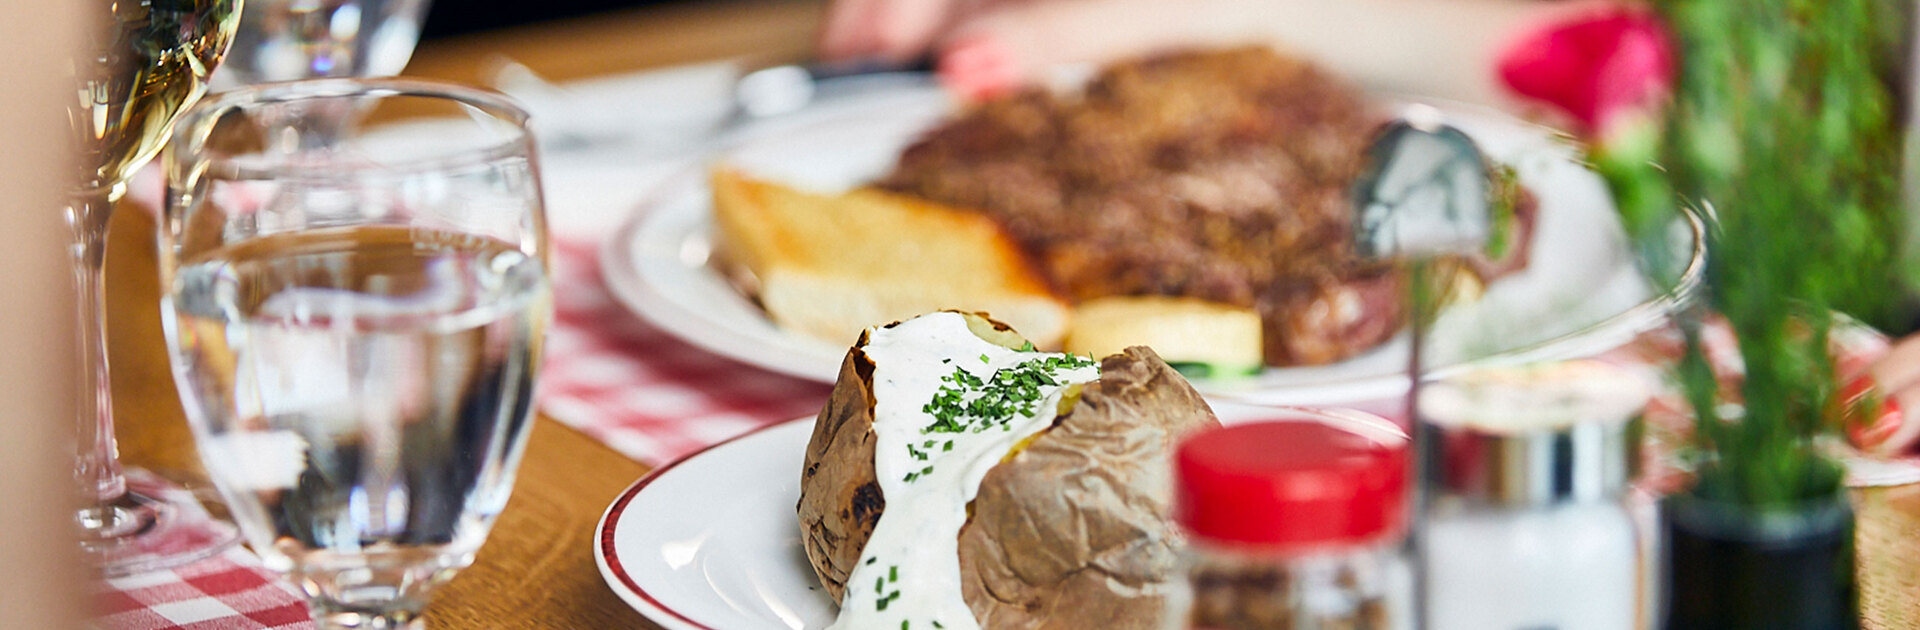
point(969, 403)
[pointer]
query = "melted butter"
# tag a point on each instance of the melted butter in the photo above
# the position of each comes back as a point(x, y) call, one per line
point(909, 572)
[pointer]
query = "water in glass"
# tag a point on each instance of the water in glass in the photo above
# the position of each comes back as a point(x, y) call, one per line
point(363, 395)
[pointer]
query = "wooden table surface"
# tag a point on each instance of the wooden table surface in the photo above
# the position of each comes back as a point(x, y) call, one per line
point(537, 570)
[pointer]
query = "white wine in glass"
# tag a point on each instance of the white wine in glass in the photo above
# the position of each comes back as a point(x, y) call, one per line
point(145, 62)
point(151, 61)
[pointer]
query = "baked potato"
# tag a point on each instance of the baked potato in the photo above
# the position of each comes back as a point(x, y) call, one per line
point(1070, 530)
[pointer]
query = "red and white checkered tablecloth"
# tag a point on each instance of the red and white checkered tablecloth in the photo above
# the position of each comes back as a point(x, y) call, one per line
point(640, 390)
point(230, 591)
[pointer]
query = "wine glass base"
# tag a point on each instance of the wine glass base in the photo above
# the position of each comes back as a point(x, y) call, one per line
point(155, 525)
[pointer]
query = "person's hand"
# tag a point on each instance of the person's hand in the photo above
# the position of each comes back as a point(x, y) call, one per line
point(892, 30)
point(985, 47)
point(1896, 376)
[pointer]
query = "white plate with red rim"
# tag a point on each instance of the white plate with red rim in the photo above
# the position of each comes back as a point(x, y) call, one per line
point(711, 541)
point(1580, 295)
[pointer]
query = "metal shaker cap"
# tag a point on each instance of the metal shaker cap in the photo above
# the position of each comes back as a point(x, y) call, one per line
point(1535, 434)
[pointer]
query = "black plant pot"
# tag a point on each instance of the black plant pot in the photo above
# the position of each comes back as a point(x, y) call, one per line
point(1734, 568)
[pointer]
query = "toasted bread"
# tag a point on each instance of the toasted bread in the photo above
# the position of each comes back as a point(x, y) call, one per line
point(830, 266)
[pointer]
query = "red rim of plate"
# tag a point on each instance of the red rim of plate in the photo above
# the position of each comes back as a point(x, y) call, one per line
point(609, 520)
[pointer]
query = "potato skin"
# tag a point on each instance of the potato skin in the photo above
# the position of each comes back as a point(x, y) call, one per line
point(1071, 533)
point(840, 499)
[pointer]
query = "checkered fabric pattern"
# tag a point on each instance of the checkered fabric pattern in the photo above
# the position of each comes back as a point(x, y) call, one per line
point(227, 592)
point(640, 390)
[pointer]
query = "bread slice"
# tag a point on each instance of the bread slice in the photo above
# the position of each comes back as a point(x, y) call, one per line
point(832, 265)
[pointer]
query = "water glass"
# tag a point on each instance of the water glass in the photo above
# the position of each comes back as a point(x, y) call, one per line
point(355, 316)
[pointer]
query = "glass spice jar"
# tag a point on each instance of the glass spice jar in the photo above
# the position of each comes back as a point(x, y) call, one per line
point(1293, 524)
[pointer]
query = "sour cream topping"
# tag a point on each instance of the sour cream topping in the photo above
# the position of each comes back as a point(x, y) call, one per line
point(948, 407)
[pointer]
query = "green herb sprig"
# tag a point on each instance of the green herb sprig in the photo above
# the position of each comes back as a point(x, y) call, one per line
point(970, 404)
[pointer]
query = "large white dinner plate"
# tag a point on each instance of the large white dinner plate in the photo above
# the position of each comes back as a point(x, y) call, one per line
point(1580, 293)
point(712, 540)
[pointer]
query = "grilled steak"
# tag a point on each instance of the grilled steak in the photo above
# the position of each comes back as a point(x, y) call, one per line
point(1216, 175)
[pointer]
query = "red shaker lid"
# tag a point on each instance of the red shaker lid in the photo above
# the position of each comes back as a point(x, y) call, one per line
point(1290, 483)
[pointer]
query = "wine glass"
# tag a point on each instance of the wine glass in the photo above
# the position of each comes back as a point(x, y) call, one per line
point(355, 317)
point(287, 40)
point(145, 63)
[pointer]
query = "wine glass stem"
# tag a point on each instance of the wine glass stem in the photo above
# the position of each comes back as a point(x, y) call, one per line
point(98, 468)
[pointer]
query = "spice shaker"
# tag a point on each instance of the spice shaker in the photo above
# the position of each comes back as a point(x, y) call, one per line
point(1531, 519)
point(1293, 524)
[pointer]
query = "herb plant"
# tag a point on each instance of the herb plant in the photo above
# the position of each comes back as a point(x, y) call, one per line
point(1783, 129)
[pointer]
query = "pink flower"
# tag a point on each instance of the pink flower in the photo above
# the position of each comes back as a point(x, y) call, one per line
point(1596, 67)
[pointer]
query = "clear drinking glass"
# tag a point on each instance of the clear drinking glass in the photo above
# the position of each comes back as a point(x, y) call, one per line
point(355, 316)
point(287, 40)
